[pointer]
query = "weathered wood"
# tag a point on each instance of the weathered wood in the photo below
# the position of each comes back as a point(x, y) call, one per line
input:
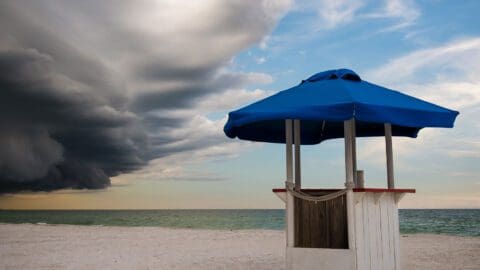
point(360, 178)
point(376, 227)
point(297, 142)
point(354, 151)
point(389, 153)
point(338, 223)
point(348, 139)
point(367, 237)
point(358, 196)
point(321, 224)
point(289, 200)
point(298, 215)
point(306, 224)
point(324, 227)
point(396, 236)
point(355, 190)
point(378, 196)
point(282, 196)
point(384, 233)
point(314, 221)
point(376, 232)
point(398, 197)
point(388, 220)
point(359, 231)
point(388, 204)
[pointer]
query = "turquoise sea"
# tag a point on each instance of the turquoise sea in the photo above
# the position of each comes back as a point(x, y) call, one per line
point(464, 222)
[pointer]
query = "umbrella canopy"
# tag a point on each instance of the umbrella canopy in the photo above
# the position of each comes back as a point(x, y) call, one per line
point(325, 100)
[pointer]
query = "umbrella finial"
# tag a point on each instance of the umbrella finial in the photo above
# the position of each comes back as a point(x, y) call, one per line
point(343, 73)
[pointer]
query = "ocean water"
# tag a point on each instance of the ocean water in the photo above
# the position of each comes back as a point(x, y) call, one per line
point(464, 222)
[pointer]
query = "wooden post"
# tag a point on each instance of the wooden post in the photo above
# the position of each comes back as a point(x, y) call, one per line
point(347, 127)
point(297, 136)
point(389, 151)
point(289, 142)
point(347, 130)
point(289, 207)
point(354, 152)
point(360, 179)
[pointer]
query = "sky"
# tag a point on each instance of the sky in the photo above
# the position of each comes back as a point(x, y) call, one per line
point(121, 104)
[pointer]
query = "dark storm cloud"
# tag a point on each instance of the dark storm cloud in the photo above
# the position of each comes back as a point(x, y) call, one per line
point(160, 71)
point(180, 97)
point(84, 85)
point(56, 132)
point(62, 126)
point(188, 92)
point(158, 123)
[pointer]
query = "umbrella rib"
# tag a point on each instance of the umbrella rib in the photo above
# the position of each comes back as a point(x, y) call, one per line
point(323, 128)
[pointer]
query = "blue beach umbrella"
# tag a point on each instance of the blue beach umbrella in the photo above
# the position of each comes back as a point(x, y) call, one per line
point(326, 99)
point(337, 104)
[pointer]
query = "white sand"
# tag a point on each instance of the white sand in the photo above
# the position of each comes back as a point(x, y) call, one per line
point(90, 247)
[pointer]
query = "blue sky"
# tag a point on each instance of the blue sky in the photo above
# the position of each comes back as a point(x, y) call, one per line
point(429, 49)
point(369, 39)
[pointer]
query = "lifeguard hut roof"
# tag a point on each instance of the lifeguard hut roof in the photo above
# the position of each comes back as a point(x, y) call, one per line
point(326, 99)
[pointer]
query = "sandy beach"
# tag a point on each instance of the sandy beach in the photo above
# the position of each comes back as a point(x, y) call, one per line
point(28, 246)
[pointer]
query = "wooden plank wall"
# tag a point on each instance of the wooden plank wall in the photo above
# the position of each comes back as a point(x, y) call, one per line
point(377, 232)
point(321, 224)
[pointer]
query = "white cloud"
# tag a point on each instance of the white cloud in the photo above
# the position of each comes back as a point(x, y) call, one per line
point(182, 165)
point(261, 60)
point(405, 11)
point(336, 13)
point(446, 75)
point(454, 61)
point(201, 139)
point(171, 59)
point(229, 99)
point(264, 43)
point(206, 40)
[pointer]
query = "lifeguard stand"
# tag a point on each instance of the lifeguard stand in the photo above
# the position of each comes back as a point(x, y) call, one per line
point(352, 228)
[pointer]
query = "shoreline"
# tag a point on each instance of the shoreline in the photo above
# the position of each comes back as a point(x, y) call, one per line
point(54, 246)
point(208, 229)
